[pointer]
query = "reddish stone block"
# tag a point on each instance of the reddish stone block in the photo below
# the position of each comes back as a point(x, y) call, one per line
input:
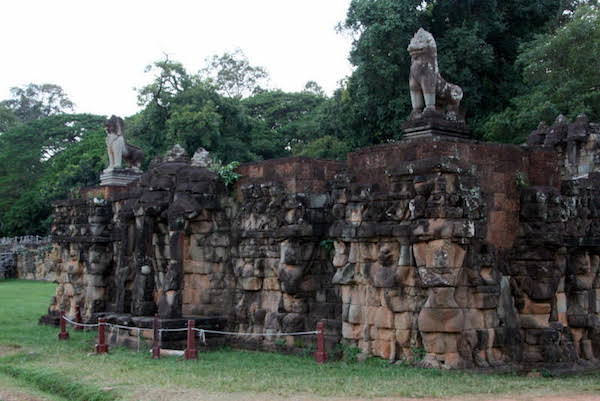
point(403, 337)
point(441, 320)
point(403, 321)
point(382, 348)
point(534, 321)
point(355, 314)
point(384, 318)
point(351, 331)
point(440, 343)
point(535, 308)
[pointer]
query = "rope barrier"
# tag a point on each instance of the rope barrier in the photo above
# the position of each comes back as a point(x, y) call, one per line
point(233, 333)
point(191, 353)
point(124, 327)
point(227, 333)
point(201, 334)
point(182, 329)
point(79, 324)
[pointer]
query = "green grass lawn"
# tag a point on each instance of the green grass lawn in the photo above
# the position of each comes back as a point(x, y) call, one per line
point(32, 357)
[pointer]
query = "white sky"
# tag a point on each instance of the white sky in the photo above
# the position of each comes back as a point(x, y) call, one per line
point(97, 50)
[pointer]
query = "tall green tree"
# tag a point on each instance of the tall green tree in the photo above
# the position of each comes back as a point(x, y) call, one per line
point(148, 128)
point(7, 118)
point(189, 110)
point(35, 101)
point(377, 90)
point(288, 118)
point(561, 71)
point(233, 74)
point(477, 40)
point(40, 161)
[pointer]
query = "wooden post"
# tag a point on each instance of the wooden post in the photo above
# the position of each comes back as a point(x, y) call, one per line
point(191, 352)
point(320, 356)
point(64, 334)
point(101, 347)
point(155, 342)
point(78, 318)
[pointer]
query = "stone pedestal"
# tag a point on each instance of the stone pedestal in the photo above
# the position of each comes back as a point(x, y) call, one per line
point(435, 127)
point(119, 176)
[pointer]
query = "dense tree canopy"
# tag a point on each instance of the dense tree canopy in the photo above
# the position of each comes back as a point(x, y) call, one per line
point(285, 117)
point(7, 118)
point(518, 61)
point(41, 161)
point(196, 110)
point(186, 109)
point(233, 74)
point(561, 71)
point(36, 101)
point(477, 41)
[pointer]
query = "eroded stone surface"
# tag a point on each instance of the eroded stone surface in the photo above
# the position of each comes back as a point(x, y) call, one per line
point(458, 254)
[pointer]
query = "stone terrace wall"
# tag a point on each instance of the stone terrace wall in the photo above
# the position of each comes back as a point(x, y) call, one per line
point(178, 244)
point(419, 227)
point(282, 267)
point(27, 257)
point(458, 253)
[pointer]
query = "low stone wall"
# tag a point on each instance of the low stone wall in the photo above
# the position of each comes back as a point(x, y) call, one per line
point(27, 258)
point(455, 253)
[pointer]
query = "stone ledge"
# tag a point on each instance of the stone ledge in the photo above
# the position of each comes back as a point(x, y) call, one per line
point(434, 127)
point(119, 177)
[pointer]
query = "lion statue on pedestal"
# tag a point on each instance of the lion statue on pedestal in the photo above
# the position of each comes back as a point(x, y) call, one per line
point(430, 94)
point(118, 149)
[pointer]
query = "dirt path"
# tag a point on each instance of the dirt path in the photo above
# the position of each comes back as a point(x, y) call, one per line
point(195, 395)
point(190, 395)
point(6, 395)
point(9, 349)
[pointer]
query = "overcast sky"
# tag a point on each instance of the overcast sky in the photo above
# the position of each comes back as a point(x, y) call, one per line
point(97, 50)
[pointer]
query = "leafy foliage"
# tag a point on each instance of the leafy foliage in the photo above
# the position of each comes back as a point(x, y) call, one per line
point(286, 118)
point(233, 74)
point(183, 108)
point(562, 73)
point(7, 118)
point(326, 147)
point(226, 171)
point(518, 61)
point(477, 43)
point(36, 101)
point(40, 161)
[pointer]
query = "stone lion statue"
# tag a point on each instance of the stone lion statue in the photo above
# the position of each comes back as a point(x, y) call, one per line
point(429, 92)
point(118, 149)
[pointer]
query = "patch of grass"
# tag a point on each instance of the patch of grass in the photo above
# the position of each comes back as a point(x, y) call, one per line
point(57, 384)
point(349, 353)
point(14, 386)
point(56, 366)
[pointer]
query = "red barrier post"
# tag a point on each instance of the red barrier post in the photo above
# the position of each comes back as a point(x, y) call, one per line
point(101, 347)
point(78, 318)
point(155, 343)
point(321, 356)
point(191, 352)
point(64, 334)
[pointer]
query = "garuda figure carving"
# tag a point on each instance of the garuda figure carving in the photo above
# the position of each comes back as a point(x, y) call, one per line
point(430, 94)
point(118, 149)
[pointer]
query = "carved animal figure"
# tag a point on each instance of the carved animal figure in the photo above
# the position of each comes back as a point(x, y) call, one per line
point(118, 149)
point(429, 92)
